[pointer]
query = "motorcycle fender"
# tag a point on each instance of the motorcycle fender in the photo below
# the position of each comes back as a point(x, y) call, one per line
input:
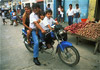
point(24, 32)
point(63, 45)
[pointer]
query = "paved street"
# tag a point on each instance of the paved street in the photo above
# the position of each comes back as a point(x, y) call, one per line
point(14, 55)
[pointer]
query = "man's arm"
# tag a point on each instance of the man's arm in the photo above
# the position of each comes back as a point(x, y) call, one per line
point(39, 27)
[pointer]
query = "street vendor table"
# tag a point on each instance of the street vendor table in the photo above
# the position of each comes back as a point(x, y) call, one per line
point(97, 46)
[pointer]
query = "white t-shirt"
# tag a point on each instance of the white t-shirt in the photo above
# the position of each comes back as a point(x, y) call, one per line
point(77, 10)
point(62, 13)
point(14, 13)
point(70, 12)
point(59, 9)
point(33, 17)
point(3, 15)
point(44, 24)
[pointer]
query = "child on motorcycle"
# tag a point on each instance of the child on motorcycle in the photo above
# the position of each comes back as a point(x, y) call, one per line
point(26, 22)
point(46, 25)
point(41, 16)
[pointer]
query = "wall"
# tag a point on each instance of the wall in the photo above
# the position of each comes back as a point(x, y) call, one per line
point(92, 4)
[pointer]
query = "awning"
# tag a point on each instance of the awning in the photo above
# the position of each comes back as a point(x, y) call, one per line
point(40, 0)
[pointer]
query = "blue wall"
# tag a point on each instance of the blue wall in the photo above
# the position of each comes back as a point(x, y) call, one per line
point(83, 4)
point(54, 8)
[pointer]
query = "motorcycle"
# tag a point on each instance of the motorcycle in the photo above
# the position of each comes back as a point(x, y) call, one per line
point(66, 51)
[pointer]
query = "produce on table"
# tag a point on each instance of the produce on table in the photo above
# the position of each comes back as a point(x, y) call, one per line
point(89, 30)
point(73, 28)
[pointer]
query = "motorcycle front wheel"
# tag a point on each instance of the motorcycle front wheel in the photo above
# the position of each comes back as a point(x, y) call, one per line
point(69, 56)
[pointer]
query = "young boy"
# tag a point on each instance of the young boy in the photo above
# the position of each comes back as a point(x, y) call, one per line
point(34, 24)
point(48, 21)
point(46, 24)
point(62, 15)
point(41, 16)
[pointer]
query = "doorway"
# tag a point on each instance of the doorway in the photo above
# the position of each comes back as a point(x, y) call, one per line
point(97, 11)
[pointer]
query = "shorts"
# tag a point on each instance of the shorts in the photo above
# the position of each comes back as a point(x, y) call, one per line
point(3, 20)
point(62, 17)
point(14, 18)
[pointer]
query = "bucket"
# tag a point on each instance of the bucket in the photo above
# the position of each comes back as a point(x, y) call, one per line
point(83, 20)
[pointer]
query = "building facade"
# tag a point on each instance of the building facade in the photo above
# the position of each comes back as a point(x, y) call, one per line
point(83, 4)
point(94, 10)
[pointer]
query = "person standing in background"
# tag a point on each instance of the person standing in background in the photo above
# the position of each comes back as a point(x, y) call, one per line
point(59, 10)
point(48, 7)
point(3, 17)
point(77, 13)
point(14, 18)
point(0, 12)
point(70, 14)
point(62, 15)
point(18, 12)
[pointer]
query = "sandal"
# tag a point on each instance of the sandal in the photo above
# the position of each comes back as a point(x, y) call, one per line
point(49, 46)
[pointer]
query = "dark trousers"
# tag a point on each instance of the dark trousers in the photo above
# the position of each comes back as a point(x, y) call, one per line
point(70, 20)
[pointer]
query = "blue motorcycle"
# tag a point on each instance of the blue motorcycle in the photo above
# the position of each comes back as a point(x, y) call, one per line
point(66, 51)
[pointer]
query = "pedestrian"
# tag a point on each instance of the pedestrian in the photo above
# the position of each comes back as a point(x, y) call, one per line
point(26, 22)
point(77, 13)
point(59, 10)
point(3, 17)
point(0, 12)
point(34, 25)
point(70, 14)
point(62, 14)
point(11, 13)
point(14, 18)
point(18, 12)
point(48, 7)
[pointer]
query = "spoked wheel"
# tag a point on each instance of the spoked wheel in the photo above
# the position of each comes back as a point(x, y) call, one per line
point(29, 47)
point(69, 56)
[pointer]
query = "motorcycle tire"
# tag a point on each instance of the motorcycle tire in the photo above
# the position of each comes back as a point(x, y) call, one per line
point(29, 47)
point(68, 55)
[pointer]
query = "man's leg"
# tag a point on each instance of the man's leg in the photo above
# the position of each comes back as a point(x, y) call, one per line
point(78, 20)
point(71, 20)
point(36, 48)
point(36, 44)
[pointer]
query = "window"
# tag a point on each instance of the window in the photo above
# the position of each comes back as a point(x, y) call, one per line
point(49, 0)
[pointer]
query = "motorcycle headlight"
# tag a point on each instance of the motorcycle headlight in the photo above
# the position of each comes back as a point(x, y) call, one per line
point(62, 31)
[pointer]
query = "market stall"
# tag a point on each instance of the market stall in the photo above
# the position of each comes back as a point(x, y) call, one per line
point(88, 31)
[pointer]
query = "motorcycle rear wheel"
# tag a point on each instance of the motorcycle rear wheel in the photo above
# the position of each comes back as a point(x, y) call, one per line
point(29, 47)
